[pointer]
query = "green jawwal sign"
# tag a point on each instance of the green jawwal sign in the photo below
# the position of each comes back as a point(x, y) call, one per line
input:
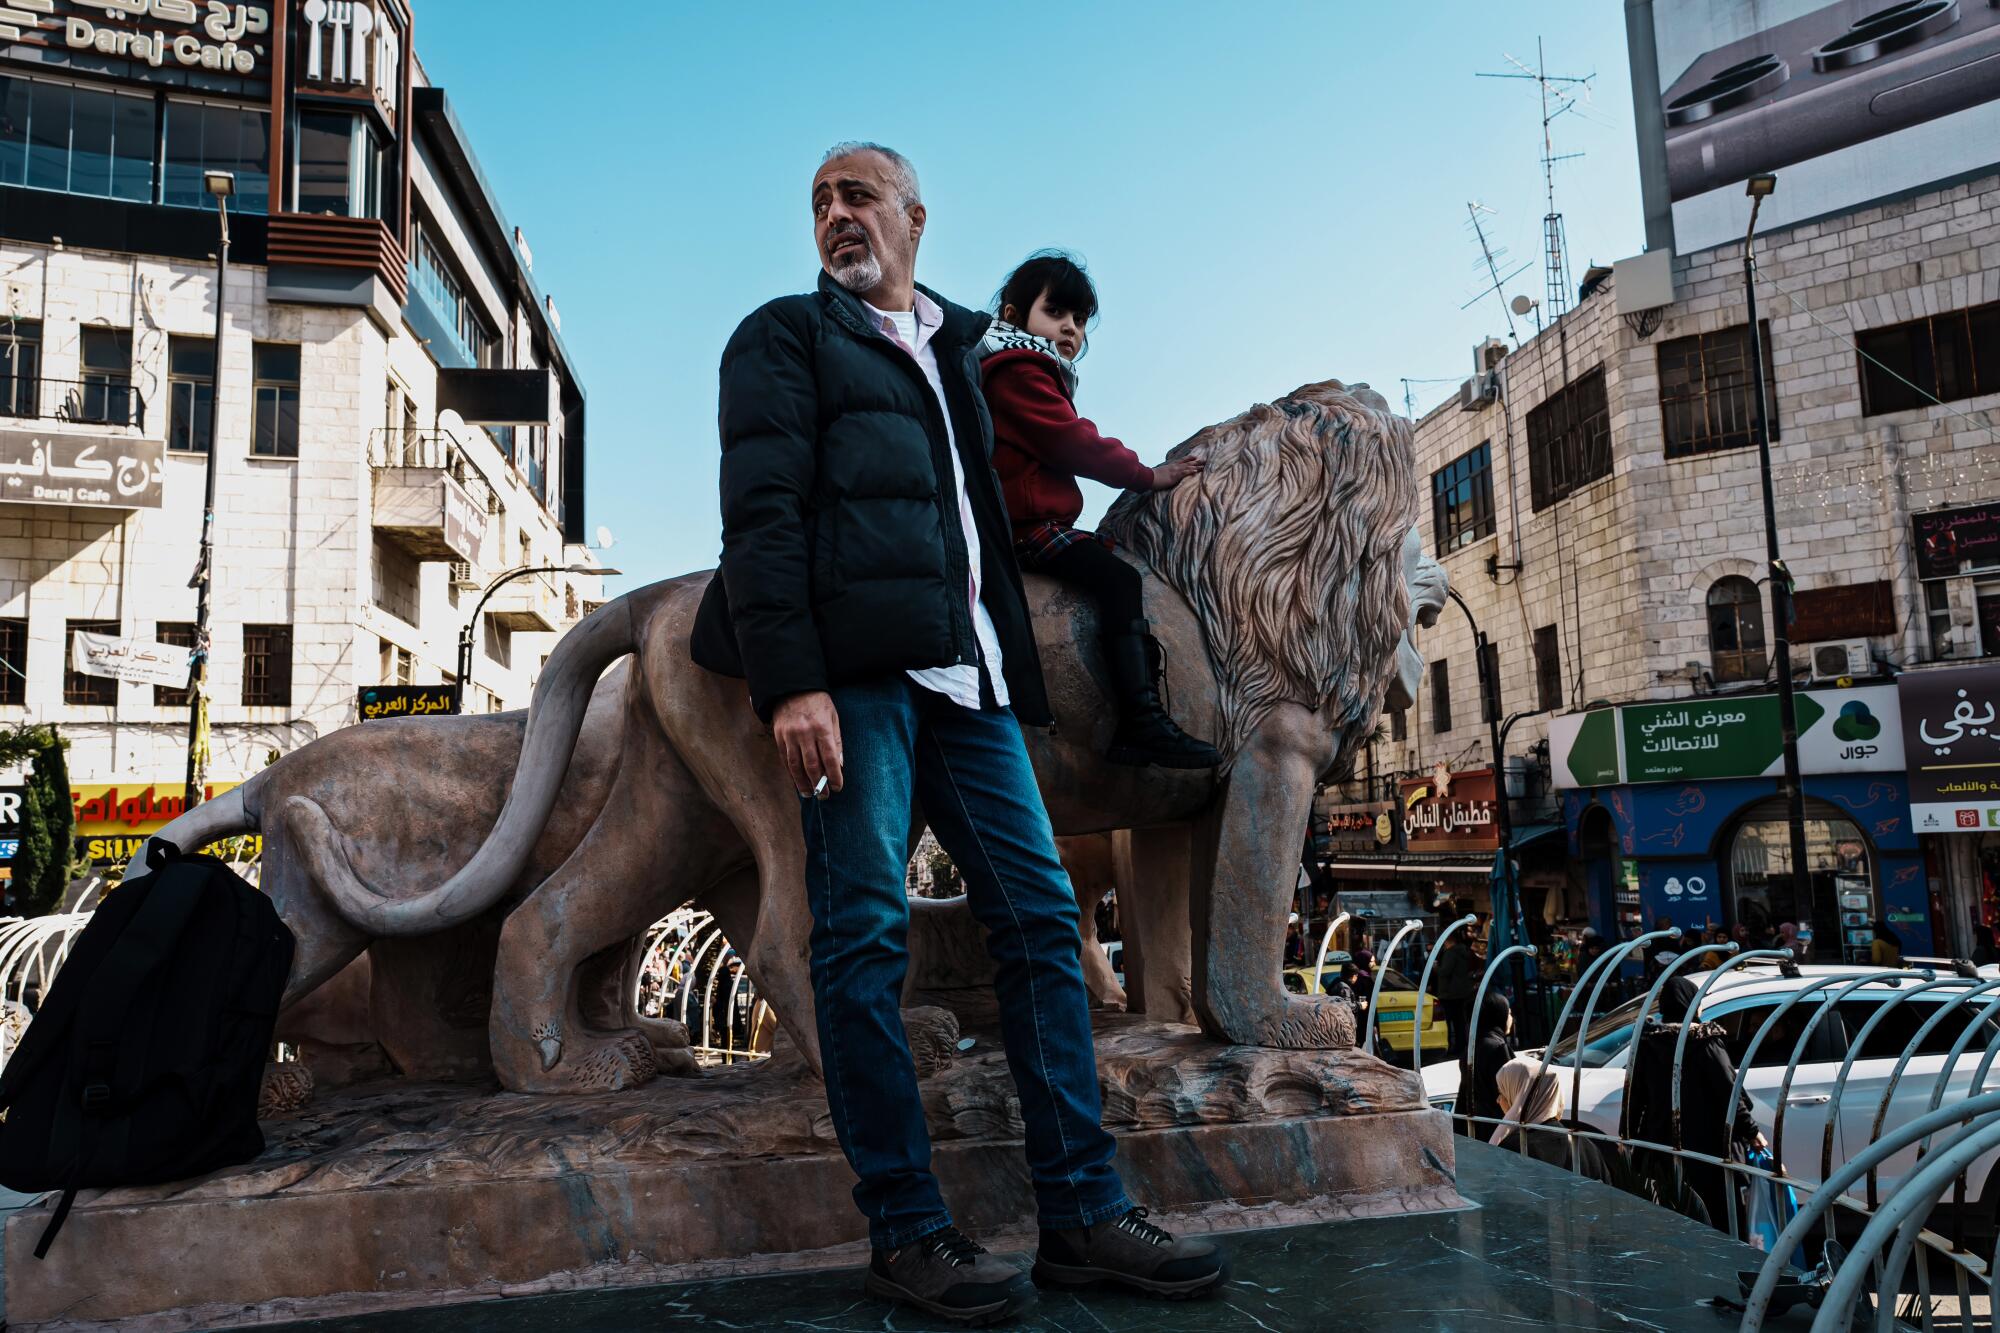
point(1852, 730)
point(1731, 738)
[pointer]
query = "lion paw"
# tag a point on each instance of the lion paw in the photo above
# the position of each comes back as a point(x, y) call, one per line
point(612, 1063)
point(1308, 1023)
point(285, 1088)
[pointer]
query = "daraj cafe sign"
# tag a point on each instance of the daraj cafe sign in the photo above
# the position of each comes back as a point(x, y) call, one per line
point(195, 34)
point(1451, 812)
point(92, 472)
point(1951, 738)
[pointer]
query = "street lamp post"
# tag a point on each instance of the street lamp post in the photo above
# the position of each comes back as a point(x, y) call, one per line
point(221, 185)
point(471, 627)
point(1759, 189)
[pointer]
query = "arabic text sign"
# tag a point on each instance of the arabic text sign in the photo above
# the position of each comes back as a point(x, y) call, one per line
point(140, 660)
point(1461, 820)
point(1854, 730)
point(405, 701)
point(464, 522)
point(94, 471)
point(212, 35)
point(1947, 540)
point(1951, 740)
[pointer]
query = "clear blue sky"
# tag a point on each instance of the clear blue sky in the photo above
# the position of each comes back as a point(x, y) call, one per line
point(1266, 194)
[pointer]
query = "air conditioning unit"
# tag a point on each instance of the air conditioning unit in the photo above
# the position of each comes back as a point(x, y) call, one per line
point(1847, 658)
point(463, 577)
point(1477, 393)
point(1487, 356)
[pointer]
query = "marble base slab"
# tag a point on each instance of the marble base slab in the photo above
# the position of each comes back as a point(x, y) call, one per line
point(399, 1195)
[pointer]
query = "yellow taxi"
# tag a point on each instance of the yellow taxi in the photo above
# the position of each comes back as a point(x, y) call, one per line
point(1398, 1002)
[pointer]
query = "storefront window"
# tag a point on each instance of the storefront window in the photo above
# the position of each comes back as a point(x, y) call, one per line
point(1835, 900)
point(58, 136)
point(205, 136)
point(342, 167)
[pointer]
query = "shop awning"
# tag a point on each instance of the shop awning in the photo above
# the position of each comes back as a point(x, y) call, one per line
point(1430, 865)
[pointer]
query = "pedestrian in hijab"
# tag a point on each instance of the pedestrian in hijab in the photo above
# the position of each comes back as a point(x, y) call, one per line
point(1532, 1102)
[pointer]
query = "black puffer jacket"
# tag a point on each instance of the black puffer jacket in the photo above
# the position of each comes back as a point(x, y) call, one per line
point(843, 558)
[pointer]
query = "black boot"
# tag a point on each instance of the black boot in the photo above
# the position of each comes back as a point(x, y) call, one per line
point(1146, 735)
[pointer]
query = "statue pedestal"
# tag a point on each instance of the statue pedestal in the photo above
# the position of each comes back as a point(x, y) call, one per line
point(404, 1194)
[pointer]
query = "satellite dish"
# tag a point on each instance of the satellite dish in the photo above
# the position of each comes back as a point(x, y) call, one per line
point(452, 424)
point(605, 541)
point(1521, 305)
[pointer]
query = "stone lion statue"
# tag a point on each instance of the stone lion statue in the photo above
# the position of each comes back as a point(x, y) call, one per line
point(1284, 584)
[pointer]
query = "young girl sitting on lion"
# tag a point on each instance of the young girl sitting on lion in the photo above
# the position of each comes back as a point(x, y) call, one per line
point(1040, 448)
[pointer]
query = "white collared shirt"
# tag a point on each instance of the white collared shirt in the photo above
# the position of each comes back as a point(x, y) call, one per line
point(912, 330)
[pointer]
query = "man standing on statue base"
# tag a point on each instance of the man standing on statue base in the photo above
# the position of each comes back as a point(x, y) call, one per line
point(868, 594)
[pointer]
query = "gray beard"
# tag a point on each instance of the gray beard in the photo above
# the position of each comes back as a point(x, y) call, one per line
point(859, 275)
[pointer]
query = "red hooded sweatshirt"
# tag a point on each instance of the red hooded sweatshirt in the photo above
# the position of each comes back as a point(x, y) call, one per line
point(1041, 446)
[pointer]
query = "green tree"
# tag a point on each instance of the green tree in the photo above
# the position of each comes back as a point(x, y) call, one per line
point(945, 880)
point(44, 863)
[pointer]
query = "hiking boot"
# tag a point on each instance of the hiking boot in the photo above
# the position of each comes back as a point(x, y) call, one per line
point(1146, 734)
point(947, 1275)
point(1130, 1252)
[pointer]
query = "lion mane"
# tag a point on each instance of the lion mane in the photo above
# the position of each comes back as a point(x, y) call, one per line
point(1289, 549)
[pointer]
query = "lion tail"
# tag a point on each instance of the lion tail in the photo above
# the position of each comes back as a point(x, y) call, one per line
point(222, 817)
point(555, 719)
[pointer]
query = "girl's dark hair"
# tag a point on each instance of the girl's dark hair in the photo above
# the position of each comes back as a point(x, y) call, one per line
point(1051, 273)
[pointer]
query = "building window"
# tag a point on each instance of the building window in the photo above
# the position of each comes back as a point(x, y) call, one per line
point(469, 341)
point(342, 169)
point(538, 463)
point(267, 666)
point(1548, 669)
point(1440, 696)
point(1708, 401)
point(1569, 440)
point(1937, 611)
point(1940, 358)
point(104, 395)
point(190, 392)
point(1489, 687)
point(1462, 499)
point(178, 634)
point(13, 663)
point(276, 399)
point(56, 136)
point(1735, 630)
point(1399, 724)
point(77, 687)
point(203, 137)
point(20, 367)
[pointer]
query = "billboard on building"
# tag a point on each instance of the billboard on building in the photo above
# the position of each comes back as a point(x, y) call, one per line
point(1849, 102)
point(1856, 730)
point(83, 471)
point(1951, 735)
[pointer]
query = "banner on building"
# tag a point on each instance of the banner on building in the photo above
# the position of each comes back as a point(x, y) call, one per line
point(1848, 101)
point(1359, 827)
point(1451, 812)
point(142, 661)
point(1857, 730)
point(90, 471)
point(1951, 738)
point(112, 820)
point(1949, 540)
point(378, 701)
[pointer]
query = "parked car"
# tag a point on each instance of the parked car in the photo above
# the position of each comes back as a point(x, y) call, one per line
point(1741, 1002)
point(1398, 1002)
point(1114, 953)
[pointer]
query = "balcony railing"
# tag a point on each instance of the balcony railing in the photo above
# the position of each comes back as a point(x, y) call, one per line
point(396, 447)
point(105, 400)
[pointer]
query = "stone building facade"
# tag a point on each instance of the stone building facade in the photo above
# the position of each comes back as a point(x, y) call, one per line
point(399, 419)
point(1597, 503)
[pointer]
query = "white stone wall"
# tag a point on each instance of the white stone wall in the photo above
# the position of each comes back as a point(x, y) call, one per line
point(294, 537)
point(1624, 566)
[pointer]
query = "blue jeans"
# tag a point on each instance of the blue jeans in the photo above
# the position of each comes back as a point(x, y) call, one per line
point(904, 744)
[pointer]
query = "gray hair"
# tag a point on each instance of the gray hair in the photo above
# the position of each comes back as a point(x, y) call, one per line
point(901, 173)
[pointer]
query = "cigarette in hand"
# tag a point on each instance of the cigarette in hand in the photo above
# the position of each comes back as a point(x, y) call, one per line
point(819, 788)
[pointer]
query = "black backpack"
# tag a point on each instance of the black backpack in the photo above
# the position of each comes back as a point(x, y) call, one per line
point(144, 1061)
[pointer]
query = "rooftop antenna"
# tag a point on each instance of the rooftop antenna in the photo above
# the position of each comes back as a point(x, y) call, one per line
point(1490, 257)
point(1560, 94)
point(1410, 397)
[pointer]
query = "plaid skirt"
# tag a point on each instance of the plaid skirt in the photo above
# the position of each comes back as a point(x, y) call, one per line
point(1042, 544)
